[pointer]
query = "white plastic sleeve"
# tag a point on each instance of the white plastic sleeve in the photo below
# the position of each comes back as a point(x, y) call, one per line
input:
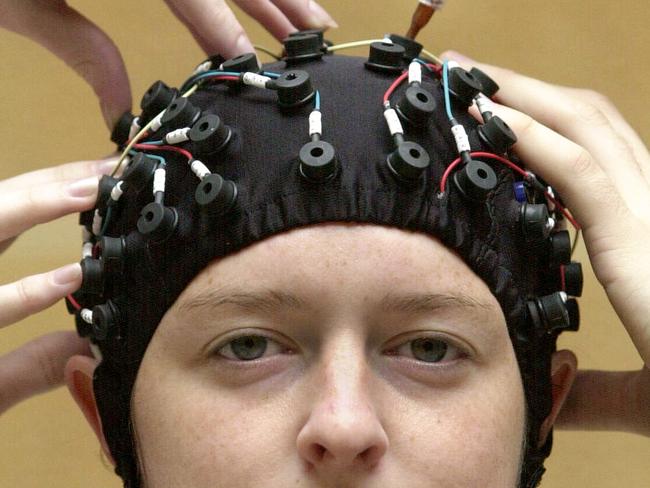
point(87, 315)
point(116, 192)
point(255, 79)
point(415, 72)
point(135, 127)
point(97, 223)
point(394, 125)
point(199, 169)
point(159, 180)
point(157, 122)
point(484, 104)
point(177, 136)
point(462, 141)
point(453, 64)
point(87, 250)
point(315, 122)
point(202, 68)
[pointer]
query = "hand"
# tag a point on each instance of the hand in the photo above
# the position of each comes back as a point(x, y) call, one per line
point(93, 55)
point(578, 141)
point(26, 200)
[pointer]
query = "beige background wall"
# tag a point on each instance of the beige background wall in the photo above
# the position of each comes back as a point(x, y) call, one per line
point(49, 116)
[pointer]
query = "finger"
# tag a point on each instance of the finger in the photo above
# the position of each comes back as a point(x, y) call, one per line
point(37, 366)
point(213, 25)
point(24, 208)
point(79, 43)
point(67, 171)
point(608, 400)
point(582, 122)
point(305, 14)
point(37, 292)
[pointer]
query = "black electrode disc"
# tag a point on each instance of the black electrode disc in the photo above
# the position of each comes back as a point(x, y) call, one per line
point(318, 161)
point(408, 161)
point(416, 106)
point(386, 57)
point(216, 194)
point(475, 180)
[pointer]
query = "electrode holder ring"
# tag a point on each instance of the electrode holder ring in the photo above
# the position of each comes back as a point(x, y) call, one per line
point(209, 134)
point(475, 180)
point(302, 47)
point(157, 222)
point(408, 161)
point(416, 105)
point(294, 88)
point(385, 57)
point(318, 162)
point(215, 194)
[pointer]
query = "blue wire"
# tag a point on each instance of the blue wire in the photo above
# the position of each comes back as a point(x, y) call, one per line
point(270, 74)
point(200, 76)
point(153, 143)
point(445, 84)
point(317, 101)
point(162, 160)
point(423, 63)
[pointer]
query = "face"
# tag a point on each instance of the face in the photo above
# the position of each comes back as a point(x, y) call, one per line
point(336, 355)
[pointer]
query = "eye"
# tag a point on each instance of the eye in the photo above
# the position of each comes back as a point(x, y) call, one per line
point(248, 347)
point(429, 350)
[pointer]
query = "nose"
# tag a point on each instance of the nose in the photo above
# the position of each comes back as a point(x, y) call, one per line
point(343, 431)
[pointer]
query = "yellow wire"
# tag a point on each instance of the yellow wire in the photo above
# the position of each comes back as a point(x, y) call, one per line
point(348, 45)
point(143, 130)
point(267, 51)
point(432, 56)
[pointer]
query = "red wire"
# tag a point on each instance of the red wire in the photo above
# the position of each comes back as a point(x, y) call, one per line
point(150, 147)
point(513, 166)
point(395, 84)
point(562, 277)
point(74, 302)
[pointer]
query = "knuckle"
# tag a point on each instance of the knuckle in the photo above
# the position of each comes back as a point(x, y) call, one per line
point(27, 294)
point(589, 113)
point(583, 163)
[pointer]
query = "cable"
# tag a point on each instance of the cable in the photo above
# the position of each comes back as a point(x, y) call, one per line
point(74, 302)
point(317, 100)
point(513, 166)
point(394, 85)
point(267, 51)
point(106, 219)
point(271, 74)
point(179, 150)
point(576, 238)
point(348, 45)
point(445, 84)
point(432, 56)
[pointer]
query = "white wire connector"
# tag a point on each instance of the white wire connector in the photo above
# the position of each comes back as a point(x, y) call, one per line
point(177, 136)
point(415, 72)
point(394, 124)
point(159, 181)
point(483, 103)
point(255, 79)
point(116, 192)
point(87, 315)
point(135, 127)
point(97, 222)
point(462, 140)
point(157, 122)
point(199, 169)
point(315, 123)
point(202, 68)
point(87, 250)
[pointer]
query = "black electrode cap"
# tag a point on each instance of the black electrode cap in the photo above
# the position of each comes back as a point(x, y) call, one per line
point(318, 161)
point(215, 194)
point(92, 276)
point(86, 218)
point(302, 47)
point(574, 314)
point(475, 180)
point(139, 172)
point(122, 128)
point(106, 321)
point(180, 113)
point(408, 161)
point(560, 248)
point(84, 329)
point(157, 222)
point(113, 253)
point(242, 63)
point(553, 312)
point(385, 56)
point(463, 86)
point(489, 86)
point(209, 134)
point(573, 278)
point(155, 100)
point(294, 88)
point(318, 32)
point(497, 134)
point(106, 184)
point(214, 60)
point(534, 220)
point(411, 47)
point(416, 105)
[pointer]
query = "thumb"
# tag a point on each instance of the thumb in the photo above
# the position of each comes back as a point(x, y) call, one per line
point(80, 44)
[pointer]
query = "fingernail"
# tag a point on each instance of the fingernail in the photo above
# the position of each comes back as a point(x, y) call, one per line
point(456, 55)
point(66, 274)
point(321, 18)
point(83, 188)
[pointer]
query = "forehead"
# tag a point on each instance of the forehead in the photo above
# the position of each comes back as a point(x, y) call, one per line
point(335, 260)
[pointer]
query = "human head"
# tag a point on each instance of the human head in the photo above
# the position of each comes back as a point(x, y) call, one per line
point(274, 198)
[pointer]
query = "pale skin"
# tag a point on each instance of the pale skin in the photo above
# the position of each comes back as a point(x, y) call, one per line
point(601, 152)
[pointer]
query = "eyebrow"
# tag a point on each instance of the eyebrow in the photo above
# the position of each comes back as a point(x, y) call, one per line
point(269, 300)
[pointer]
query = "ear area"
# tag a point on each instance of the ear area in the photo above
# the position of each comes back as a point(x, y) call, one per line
point(564, 367)
point(78, 376)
